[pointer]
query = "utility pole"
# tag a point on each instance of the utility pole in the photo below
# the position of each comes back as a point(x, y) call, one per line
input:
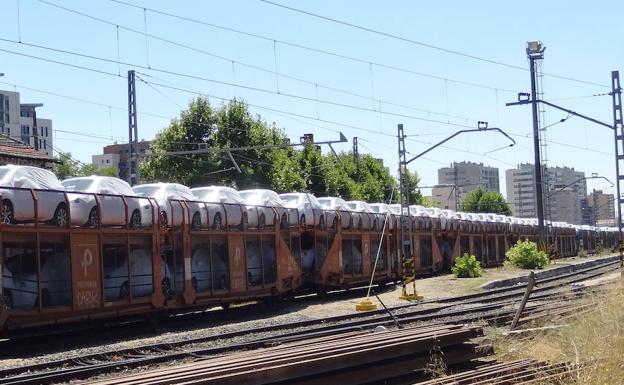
point(456, 183)
point(133, 141)
point(407, 250)
point(618, 131)
point(356, 152)
point(406, 254)
point(535, 51)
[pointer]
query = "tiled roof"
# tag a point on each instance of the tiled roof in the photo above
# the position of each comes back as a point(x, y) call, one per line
point(15, 148)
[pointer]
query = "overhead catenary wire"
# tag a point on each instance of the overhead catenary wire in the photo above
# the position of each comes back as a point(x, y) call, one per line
point(423, 44)
point(217, 56)
point(313, 49)
point(282, 111)
point(227, 83)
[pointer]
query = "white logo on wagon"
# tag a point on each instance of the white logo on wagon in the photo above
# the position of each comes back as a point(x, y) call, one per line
point(87, 260)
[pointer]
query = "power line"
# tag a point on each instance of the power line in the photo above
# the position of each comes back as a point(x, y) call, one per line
point(227, 83)
point(220, 57)
point(422, 44)
point(312, 49)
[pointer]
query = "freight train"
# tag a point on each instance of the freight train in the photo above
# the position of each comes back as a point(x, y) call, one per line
point(55, 271)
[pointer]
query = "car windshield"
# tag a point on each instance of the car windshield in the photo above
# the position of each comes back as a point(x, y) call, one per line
point(325, 202)
point(77, 184)
point(146, 191)
point(290, 200)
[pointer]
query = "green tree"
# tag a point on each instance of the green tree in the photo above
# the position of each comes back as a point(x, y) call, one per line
point(67, 167)
point(107, 171)
point(482, 201)
point(231, 125)
point(282, 169)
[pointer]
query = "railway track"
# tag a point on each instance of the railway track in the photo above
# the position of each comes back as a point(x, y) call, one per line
point(491, 306)
point(131, 327)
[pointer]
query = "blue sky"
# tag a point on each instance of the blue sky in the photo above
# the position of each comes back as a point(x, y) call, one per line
point(581, 38)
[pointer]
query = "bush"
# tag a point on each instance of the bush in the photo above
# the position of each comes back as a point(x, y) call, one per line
point(467, 266)
point(582, 253)
point(525, 255)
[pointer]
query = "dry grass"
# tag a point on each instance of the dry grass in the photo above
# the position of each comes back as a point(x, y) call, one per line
point(593, 339)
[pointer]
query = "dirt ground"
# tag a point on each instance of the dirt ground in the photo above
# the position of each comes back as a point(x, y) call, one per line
point(441, 286)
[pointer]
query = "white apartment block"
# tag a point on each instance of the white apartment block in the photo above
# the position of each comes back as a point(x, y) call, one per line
point(19, 121)
point(563, 193)
point(469, 176)
point(106, 160)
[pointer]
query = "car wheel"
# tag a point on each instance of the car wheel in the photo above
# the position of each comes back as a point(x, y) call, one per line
point(322, 222)
point(93, 220)
point(162, 218)
point(135, 219)
point(8, 217)
point(124, 290)
point(262, 222)
point(196, 222)
point(284, 221)
point(216, 222)
point(61, 216)
point(302, 222)
point(244, 222)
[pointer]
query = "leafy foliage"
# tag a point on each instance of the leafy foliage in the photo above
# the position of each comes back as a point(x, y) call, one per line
point(467, 266)
point(482, 201)
point(525, 255)
point(282, 169)
point(68, 168)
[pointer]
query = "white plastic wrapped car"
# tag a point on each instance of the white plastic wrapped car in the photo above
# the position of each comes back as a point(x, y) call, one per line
point(264, 202)
point(83, 208)
point(226, 203)
point(368, 219)
point(337, 208)
point(172, 199)
point(388, 213)
point(307, 206)
point(18, 205)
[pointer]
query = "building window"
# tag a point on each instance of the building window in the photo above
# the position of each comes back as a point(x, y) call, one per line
point(46, 131)
point(45, 145)
point(107, 161)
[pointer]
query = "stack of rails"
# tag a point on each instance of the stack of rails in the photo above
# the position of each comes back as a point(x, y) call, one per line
point(344, 358)
point(509, 373)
